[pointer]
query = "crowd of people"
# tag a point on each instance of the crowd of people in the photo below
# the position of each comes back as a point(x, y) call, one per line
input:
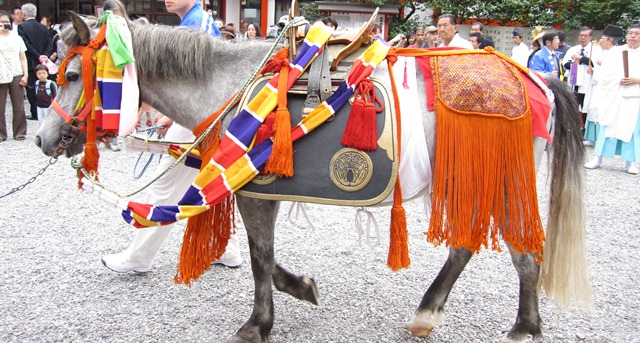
point(605, 83)
point(27, 58)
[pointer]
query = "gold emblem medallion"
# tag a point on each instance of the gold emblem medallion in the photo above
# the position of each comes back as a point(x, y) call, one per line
point(350, 169)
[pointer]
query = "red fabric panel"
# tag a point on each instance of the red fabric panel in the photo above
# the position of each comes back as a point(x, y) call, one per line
point(425, 66)
point(540, 108)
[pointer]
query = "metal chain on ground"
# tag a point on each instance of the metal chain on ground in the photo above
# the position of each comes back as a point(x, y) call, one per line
point(76, 165)
point(52, 161)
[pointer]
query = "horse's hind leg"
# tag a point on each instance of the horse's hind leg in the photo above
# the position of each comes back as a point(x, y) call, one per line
point(430, 312)
point(259, 217)
point(301, 287)
point(528, 320)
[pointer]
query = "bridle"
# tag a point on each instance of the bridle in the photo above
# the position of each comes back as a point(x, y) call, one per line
point(76, 121)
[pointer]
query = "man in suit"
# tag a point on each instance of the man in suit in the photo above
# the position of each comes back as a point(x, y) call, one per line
point(36, 38)
point(545, 61)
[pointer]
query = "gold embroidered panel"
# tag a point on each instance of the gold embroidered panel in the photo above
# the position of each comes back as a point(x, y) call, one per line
point(479, 83)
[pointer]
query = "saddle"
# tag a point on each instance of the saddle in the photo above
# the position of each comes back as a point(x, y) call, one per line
point(325, 171)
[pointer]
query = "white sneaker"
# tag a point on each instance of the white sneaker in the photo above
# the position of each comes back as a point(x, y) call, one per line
point(121, 264)
point(631, 170)
point(594, 164)
point(231, 257)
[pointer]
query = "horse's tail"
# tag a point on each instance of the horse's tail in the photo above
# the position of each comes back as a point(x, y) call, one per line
point(564, 274)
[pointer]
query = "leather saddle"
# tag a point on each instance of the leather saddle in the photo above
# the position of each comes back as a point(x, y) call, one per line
point(326, 172)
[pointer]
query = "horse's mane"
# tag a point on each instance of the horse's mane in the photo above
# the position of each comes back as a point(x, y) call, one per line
point(174, 53)
point(178, 53)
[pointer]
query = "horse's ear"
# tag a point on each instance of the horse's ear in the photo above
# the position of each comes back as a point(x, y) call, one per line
point(84, 33)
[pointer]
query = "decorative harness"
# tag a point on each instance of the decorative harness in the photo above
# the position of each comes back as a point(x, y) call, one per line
point(76, 122)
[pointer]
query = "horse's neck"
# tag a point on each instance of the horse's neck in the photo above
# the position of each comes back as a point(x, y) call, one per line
point(190, 100)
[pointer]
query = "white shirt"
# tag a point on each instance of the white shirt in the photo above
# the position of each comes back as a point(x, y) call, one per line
point(11, 45)
point(459, 42)
point(589, 51)
point(520, 53)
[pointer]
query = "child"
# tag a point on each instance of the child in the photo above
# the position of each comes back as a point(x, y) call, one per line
point(45, 89)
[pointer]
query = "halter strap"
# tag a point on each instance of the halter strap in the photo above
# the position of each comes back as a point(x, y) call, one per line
point(88, 62)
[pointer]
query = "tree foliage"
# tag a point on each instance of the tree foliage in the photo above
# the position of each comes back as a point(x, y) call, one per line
point(569, 14)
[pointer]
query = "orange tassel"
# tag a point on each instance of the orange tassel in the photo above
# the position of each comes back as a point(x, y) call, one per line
point(281, 160)
point(398, 257)
point(89, 162)
point(399, 239)
point(91, 154)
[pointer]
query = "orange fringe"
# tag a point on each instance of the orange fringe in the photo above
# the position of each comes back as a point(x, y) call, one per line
point(281, 160)
point(207, 234)
point(398, 256)
point(205, 240)
point(484, 182)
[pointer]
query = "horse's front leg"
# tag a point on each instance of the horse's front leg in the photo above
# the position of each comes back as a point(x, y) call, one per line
point(259, 217)
point(528, 320)
point(430, 312)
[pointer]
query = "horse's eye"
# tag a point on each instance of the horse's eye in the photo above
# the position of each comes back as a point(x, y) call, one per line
point(71, 76)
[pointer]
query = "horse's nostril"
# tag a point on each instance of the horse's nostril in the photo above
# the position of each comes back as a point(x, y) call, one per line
point(38, 142)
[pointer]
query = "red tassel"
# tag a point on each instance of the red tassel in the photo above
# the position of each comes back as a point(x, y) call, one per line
point(361, 130)
point(349, 137)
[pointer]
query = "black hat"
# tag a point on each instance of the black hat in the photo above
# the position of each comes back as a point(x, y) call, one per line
point(613, 31)
point(517, 32)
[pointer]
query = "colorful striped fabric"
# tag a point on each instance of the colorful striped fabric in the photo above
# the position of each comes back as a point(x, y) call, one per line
point(235, 162)
point(108, 95)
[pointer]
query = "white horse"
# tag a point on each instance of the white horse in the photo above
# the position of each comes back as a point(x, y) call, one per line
point(187, 75)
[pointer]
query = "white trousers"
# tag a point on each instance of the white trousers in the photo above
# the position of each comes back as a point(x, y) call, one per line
point(167, 190)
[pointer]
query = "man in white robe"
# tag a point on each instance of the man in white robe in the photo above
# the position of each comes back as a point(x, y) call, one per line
point(576, 63)
point(619, 125)
point(520, 52)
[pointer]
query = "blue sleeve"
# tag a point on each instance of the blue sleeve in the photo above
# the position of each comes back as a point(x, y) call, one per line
point(537, 63)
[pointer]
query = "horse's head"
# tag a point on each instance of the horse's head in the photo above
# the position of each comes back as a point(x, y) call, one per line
point(59, 132)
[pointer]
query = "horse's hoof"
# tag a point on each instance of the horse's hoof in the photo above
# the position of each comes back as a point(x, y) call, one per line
point(424, 322)
point(311, 294)
point(419, 331)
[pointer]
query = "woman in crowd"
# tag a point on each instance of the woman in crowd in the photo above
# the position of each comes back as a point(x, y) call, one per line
point(254, 32)
point(13, 77)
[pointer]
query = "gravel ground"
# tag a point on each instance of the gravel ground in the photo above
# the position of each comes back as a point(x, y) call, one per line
point(55, 288)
